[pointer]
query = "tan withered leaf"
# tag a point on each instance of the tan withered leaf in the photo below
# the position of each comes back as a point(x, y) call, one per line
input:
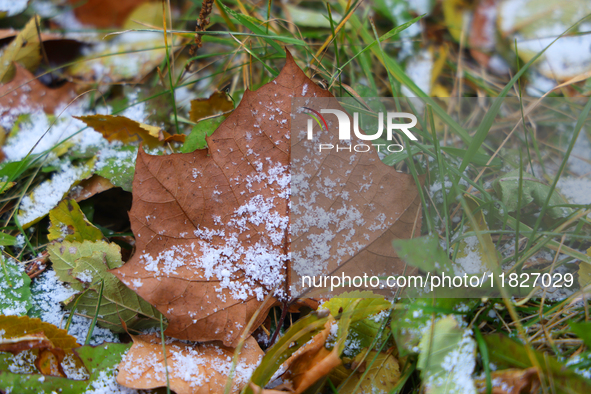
point(211, 225)
point(16, 345)
point(120, 128)
point(217, 103)
point(511, 381)
point(312, 362)
point(193, 369)
point(104, 13)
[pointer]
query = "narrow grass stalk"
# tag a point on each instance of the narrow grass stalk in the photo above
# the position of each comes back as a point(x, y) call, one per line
point(162, 339)
point(96, 312)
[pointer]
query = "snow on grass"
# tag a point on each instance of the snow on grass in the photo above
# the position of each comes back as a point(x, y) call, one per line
point(576, 190)
point(106, 383)
point(419, 69)
point(48, 293)
point(13, 7)
point(12, 302)
point(50, 192)
point(37, 133)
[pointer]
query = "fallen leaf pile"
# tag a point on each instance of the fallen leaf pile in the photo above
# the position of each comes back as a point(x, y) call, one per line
point(41, 357)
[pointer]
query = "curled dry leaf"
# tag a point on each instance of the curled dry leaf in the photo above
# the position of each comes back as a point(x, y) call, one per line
point(211, 227)
point(16, 345)
point(217, 103)
point(104, 13)
point(193, 368)
point(120, 128)
point(14, 327)
point(511, 381)
point(89, 187)
point(312, 361)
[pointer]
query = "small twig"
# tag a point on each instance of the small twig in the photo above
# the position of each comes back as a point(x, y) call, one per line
point(280, 324)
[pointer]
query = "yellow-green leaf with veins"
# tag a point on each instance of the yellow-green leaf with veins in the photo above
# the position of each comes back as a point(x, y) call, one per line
point(66, 255)
point(85, 265)
point(24, 49)
point(69, 223)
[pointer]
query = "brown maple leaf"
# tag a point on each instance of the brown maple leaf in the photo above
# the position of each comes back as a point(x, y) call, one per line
point(104, 13)
point(25, 90)
point(193, 368)
point(212, 226)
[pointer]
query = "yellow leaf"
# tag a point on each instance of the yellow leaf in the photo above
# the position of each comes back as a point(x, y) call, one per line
point(120, 128)
point(149, 13)
point(16, 327)
point(4, 186)
point(454, 14)
point(24, 49)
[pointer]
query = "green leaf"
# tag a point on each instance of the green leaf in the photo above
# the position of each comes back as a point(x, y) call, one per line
point(479, 159)
point(583, 331)
point(251, 23)
point(69, 223)
point(15, 291)
point(507, 353)
point(447, 358)
point(84, 265)
point(306, 17)
point(120, 167)
point(196, 140)
point(97, 360)
point(584, 274)
point(366, 318)
point(4, 186)
point(534, 193)
point(368, 305)
point(424, 253)
point(7, 239)
point(409, 321)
